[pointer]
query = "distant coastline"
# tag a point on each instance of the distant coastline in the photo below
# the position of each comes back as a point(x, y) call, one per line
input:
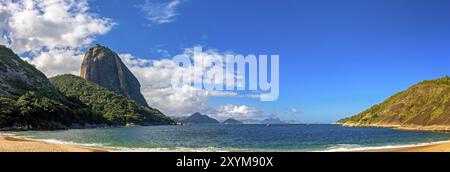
point(433, 128)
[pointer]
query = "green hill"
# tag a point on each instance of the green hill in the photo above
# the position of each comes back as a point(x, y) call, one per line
point(117, 109)
point(28, 101)
point(17, 77)
point(425, 105)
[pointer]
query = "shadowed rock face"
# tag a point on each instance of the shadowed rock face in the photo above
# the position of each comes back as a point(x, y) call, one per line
point(104, 67)
point(17, 77)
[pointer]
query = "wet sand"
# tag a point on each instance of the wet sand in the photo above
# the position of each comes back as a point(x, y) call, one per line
point(440, 147)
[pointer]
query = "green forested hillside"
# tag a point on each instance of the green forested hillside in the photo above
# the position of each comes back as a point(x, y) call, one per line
point(29, 101)
point(116, 109)
point(33, 111)
point(17, 77)
point(424, 104)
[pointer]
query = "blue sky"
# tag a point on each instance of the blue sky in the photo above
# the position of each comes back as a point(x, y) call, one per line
point(337, 57)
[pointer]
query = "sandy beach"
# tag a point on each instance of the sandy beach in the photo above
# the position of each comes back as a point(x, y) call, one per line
point(12, 144)
point(441, 147)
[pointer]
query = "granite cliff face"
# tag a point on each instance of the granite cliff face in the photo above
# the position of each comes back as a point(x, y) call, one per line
point(424, 106)
point(103, 66)
point(18, 77)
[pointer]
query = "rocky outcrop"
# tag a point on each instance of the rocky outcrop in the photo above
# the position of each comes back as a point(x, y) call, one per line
point(424, 106)
point(103, 66)
point(30, 101)
point(18, 77)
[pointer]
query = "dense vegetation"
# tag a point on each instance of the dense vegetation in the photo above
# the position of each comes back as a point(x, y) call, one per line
point(34, 111)
point(17, 77)
point(116, 109)
point(426, 103)
point(29, 101)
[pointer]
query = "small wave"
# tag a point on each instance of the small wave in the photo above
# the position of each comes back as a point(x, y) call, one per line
point(120, 149)
point(55, 141)
point(356, 147)
point(334, 148)
point(174, 149)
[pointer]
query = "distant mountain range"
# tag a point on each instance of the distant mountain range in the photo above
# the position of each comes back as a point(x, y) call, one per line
point(198, 118)
point(232, 121)
point(106, 94)
point(272, 121)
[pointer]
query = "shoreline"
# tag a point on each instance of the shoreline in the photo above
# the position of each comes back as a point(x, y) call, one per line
point(430, 128)
point(18, 144)
point(443, 146)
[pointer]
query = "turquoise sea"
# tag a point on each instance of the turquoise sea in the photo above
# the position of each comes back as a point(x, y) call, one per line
point(238, 138)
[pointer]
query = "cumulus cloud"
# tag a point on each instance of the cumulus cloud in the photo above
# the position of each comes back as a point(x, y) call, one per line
point(156, 76)
point(237, 112)
point(51, 32)
point(52, 35)
point(295, 110)
point(56, 61)
point(160, 12)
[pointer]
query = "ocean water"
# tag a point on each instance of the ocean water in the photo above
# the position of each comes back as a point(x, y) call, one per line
point(238, 138)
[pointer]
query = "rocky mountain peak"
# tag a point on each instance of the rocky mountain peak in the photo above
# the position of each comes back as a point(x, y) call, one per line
point(103, 66)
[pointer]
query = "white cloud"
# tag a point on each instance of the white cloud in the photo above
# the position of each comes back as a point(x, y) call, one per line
point(160, 12)
point(52, 32)
point(155, 77)
point(237, 112)
point(52, 35)
point(55, 62)
point(295, 110)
